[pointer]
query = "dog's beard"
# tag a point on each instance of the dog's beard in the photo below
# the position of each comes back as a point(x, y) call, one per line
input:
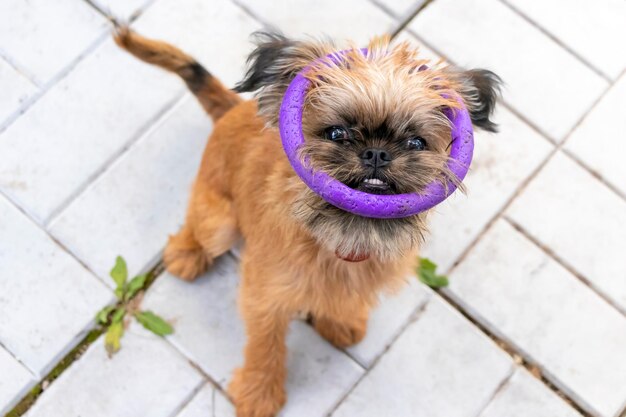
point(351, 235)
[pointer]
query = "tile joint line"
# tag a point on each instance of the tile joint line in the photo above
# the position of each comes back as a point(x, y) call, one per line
point(498, 390)
point(544, 31)
point(564, 264)
point(147, 128)
point(415, 315)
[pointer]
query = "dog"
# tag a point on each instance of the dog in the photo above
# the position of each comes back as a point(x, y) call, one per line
point(376, 123)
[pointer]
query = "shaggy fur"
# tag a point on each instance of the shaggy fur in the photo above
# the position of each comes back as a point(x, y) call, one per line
point(298, 246)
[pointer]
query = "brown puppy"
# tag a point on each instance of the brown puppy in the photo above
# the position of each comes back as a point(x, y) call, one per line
point(375, 123)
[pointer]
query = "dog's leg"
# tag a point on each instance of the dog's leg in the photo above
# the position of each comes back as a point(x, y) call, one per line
point(209, 231)
point(343, 330)
point(257, 388)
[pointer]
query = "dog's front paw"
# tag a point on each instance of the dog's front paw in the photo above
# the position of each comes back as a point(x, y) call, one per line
point(184, 258)
point(254, 397)
point(339, 334)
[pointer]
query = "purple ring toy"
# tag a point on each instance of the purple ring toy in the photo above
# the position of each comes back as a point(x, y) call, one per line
point(359, 202)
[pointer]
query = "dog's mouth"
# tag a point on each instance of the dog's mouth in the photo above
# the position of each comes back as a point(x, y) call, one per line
point(374, 185)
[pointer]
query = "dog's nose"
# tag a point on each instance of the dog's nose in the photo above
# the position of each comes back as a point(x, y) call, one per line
point(375, 157)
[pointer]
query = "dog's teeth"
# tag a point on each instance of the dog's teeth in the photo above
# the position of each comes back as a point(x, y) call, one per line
point(374, 181)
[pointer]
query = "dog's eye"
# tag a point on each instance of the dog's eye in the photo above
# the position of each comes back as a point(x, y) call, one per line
point(336, 134)
point(417, 143)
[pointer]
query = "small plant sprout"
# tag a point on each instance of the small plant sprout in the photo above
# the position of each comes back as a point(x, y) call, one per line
point(129, 294)
point(426, 273)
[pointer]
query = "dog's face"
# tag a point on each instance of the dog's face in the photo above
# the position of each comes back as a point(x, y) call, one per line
point(375, 123)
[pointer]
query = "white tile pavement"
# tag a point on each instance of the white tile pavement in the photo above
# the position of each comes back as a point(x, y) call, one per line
point(147, 377)
point(595, 30)
point(43, 37)
point(355, 20)
point(600, 140)
point(525, 396)
point(15, 87)
point(104, 155)
point(441, 366)
point(141, 198)
point(48, 300)
point(528, 299)
point(544, 82)
point(501, 163)
point(15, 380)
point(78, 126)
point(581, 220)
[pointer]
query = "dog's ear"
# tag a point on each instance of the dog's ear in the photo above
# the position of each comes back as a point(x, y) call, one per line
point(272, 66)
point(480, 89)
point(272, 60)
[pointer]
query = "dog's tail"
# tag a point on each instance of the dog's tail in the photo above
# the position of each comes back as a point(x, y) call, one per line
point(212, 94)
